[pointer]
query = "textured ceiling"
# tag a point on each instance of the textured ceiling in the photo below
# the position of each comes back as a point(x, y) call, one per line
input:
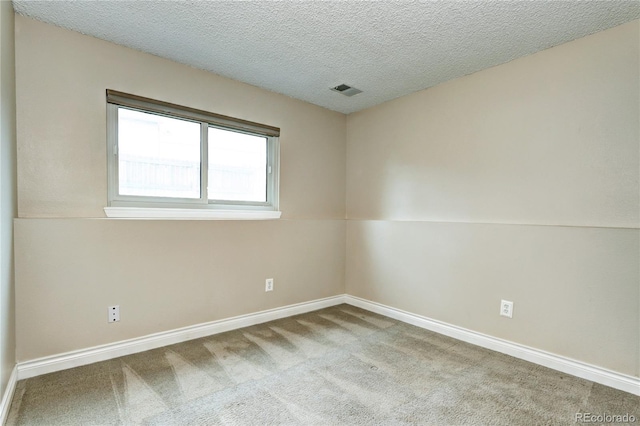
point(301, 49)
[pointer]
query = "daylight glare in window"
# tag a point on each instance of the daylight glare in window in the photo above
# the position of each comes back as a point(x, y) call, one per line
point(158, 156)
point(237, 166)
point(166, 156)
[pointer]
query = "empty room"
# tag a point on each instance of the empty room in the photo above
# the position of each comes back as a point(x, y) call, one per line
point(319, 213)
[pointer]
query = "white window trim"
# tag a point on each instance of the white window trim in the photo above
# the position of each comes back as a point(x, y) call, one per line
point(123, 207)
point(151, 213)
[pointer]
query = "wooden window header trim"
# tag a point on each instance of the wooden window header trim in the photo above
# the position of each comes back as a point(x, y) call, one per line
point(161, 107)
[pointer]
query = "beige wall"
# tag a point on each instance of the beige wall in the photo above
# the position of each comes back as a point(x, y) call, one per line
point(545, 149)
point(575, 290)
point(538, 158)
point(7, 191)
point(163, 274)
point(61, 81)
point(550, 138)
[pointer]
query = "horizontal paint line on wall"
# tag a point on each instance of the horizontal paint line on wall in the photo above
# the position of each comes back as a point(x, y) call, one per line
point(108, 219)
point(113, 350)
point(463, 222)
point(556, 362)
point(338, 219)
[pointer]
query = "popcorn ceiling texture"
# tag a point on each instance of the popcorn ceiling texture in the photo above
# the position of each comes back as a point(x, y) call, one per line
point(387, 49)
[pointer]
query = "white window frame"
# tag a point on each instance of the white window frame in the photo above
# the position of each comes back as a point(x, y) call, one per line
point(141, 207)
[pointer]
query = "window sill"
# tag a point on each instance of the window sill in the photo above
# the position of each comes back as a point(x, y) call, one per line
point(188, 214)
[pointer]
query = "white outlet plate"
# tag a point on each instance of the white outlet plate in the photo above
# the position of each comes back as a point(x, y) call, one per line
point(114, 313)
point(268, 284)
point(506, 308)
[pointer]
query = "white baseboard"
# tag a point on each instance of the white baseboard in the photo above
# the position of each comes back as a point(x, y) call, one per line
point(7, 397)
point(72, 359)
point(566, 365)
point(25, 370)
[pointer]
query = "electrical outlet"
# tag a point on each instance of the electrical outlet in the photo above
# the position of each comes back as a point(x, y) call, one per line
point(114, 313)
point(268, 284)
point(506, 308)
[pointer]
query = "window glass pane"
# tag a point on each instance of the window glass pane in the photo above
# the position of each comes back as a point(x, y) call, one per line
point(237, 166)
point(158, 156)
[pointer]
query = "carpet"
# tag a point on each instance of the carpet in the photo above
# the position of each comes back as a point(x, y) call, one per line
point(336, 366)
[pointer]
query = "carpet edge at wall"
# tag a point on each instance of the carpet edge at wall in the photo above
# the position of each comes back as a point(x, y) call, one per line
point(556, 362)
point(7, 397)
point(78, 358)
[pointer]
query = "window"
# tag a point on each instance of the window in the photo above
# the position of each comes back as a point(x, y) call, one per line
point(177, 162)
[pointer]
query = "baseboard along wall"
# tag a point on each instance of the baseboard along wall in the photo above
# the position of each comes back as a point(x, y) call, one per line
point(5, 404)
point(81, 357)
point(570, 366)
point(78, 358)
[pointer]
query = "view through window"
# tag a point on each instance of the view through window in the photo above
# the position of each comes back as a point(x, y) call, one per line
point(164, 156)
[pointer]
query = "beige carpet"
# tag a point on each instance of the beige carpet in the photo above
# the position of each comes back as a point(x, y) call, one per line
point(336, 366)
